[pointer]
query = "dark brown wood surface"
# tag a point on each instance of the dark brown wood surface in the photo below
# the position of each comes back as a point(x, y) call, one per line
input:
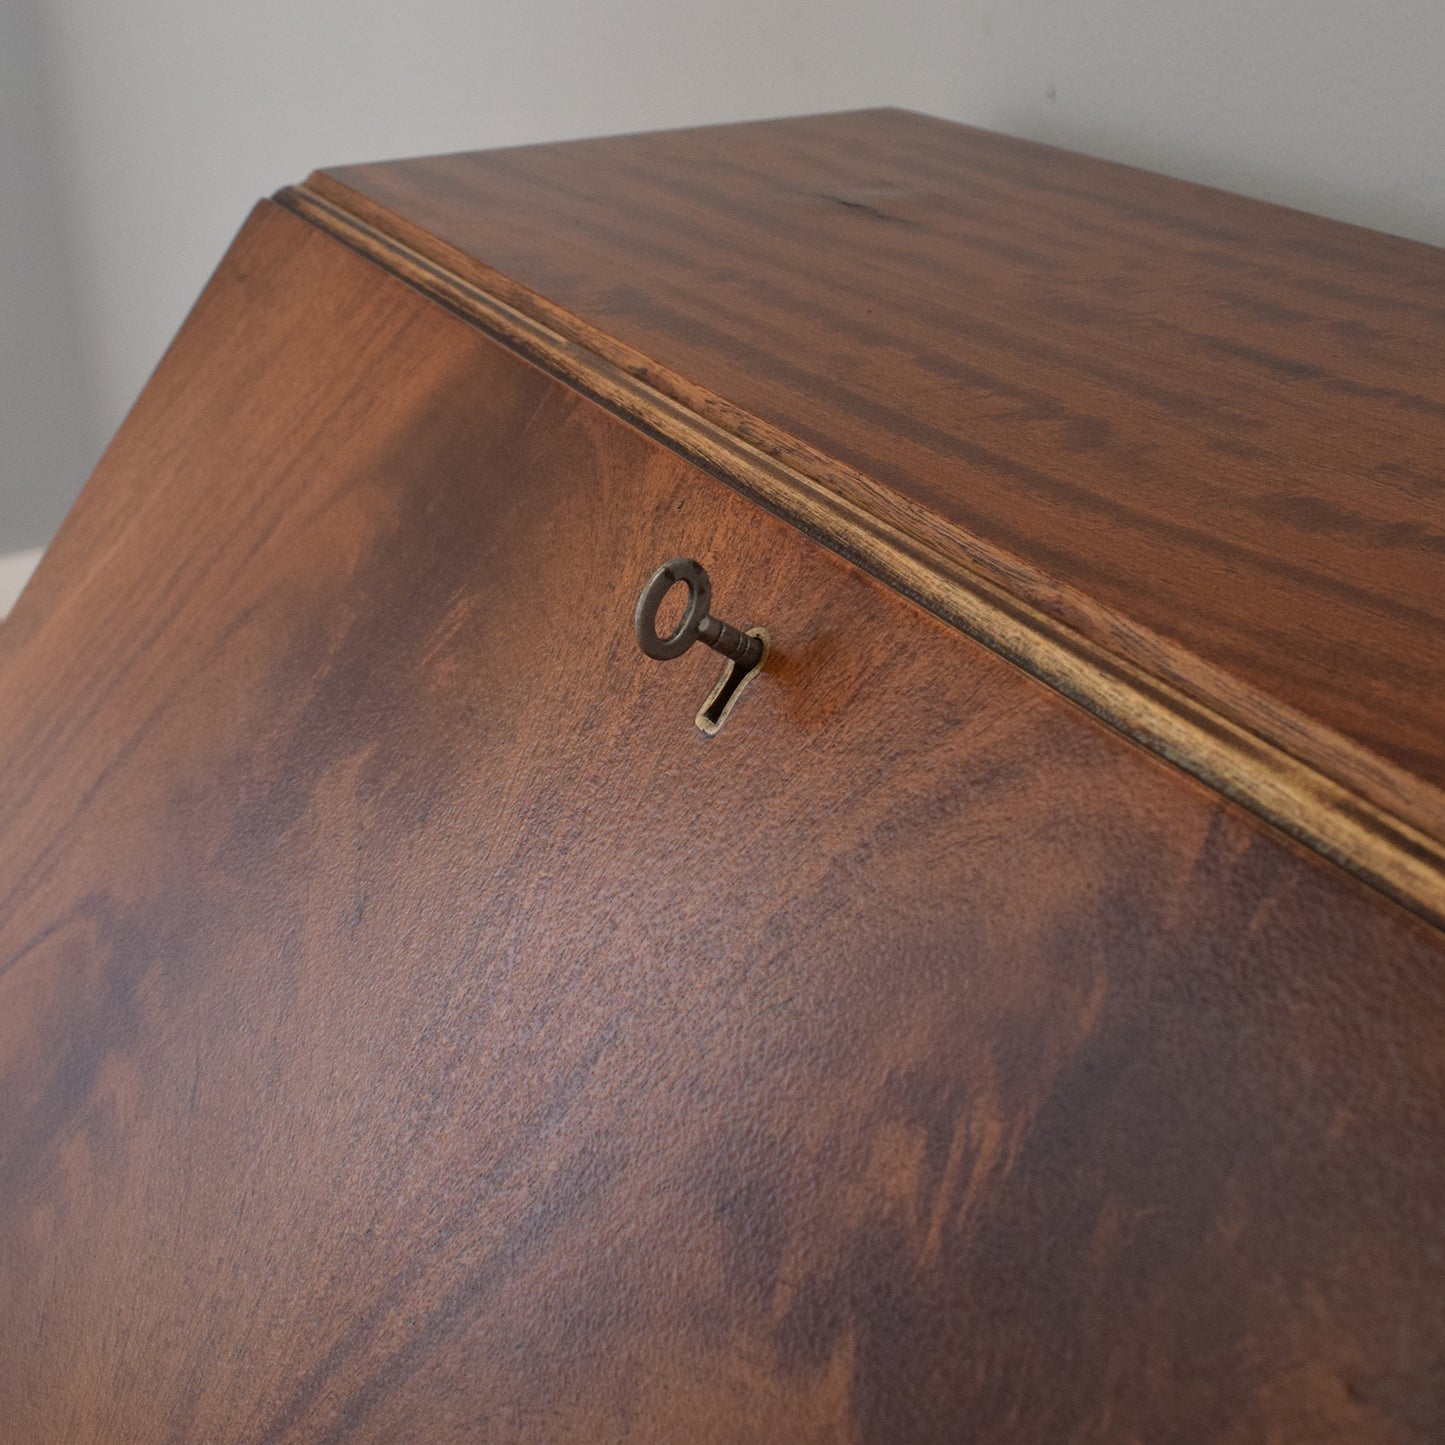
point(412, 1029)
point(1207, 433)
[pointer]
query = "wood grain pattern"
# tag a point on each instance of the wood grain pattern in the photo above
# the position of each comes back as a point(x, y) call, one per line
point(1195, 437)
point(412, 1029)
point(1282, 773)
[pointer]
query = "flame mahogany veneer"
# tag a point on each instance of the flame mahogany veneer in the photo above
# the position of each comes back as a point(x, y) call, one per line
point(412, 1028)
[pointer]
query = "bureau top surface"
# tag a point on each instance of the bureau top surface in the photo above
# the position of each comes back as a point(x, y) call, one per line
point(1205, 431)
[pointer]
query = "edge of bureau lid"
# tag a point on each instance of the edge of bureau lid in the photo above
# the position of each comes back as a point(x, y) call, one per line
point(1345, 801)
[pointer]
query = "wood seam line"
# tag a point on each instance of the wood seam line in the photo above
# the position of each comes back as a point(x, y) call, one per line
point(1291, 792)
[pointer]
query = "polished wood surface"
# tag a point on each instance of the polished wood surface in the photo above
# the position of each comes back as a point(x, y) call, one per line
point(1381, 824)
point(1204, 434)
point(411, 1028)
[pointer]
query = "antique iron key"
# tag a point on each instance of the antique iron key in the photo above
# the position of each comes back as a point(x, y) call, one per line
point(745, 651)
point(696, 625)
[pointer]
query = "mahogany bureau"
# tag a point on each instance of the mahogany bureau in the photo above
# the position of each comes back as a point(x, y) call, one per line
point(1024, 1020)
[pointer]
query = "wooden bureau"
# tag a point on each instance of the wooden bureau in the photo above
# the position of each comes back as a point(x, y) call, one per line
point(1023, 1021)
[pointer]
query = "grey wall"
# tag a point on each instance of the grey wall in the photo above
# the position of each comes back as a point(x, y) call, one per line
point(1332, 106)
point(49, 422)
point(170, 116)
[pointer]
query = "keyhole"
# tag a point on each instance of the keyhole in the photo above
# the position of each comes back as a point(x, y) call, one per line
point(714, 712)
